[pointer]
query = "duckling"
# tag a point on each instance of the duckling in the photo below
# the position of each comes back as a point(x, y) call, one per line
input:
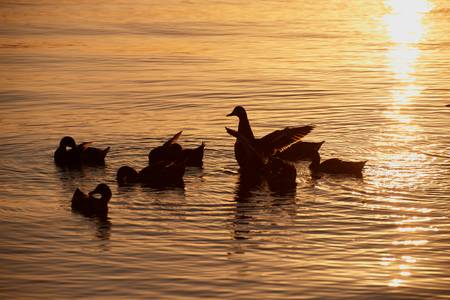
point(78, 154)
point(89, 205)
point(300, 151)
point(335, 166)
point(277, 141)
point(171, 151)
point(279, 174)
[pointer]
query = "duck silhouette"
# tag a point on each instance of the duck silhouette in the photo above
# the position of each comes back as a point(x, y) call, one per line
point(127, 176)
point(89, 205)
point(267, 146)
point(335, 166)
point(171, 151)
point(64, 156)
point(279, 174)
point(300, 151)
point(158, 174)
point(78, 155)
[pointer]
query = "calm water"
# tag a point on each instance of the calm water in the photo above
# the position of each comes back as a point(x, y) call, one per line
point(373, 76)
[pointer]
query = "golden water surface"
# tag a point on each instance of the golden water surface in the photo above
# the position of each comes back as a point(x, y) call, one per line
point(372, 75)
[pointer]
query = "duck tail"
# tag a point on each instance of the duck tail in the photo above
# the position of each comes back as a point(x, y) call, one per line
point(106, 150)
point(174, 139)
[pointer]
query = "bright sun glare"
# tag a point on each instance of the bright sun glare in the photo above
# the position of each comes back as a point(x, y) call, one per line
point(404, 22)
point(405, 29)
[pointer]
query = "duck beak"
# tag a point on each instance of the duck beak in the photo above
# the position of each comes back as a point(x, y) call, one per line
point(93, 192)
point(230, 114)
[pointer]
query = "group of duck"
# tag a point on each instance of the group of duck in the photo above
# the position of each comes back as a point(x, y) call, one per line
point(268, 159)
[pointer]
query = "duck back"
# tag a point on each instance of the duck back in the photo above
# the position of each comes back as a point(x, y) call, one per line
point(194, 157)
point(94, 156)
point(300, 151)
point(337, 166)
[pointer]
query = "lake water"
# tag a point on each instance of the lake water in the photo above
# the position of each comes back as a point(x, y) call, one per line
point(373, 76)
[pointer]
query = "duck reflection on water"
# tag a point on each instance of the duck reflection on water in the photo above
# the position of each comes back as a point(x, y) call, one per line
point(255, 202)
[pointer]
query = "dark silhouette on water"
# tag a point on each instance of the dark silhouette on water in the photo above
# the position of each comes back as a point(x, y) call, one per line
point(158, 174)
point(127, 176)
point(335, 166)
point(171, 151)
point(91, 206)
point(78, 155)
point(267, 146)
point(300, 151)
point(279, 175)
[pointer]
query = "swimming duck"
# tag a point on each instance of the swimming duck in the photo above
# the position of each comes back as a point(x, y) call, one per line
point(78, 154)
point(93, 156)
point(279, 174)
point(335, 166)
point(89, 205)
point(62, 156)
point(171, 151)
point(127, 176)
point(164, 173)
point(194, 156)
point(274, 142)
point(300, 151)
point(161, 173)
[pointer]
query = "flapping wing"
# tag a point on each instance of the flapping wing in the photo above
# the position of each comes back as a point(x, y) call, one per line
point(248, 146)
point(174, 139)
point(280, 140)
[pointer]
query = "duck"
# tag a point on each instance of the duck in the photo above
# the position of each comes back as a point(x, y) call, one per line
point(279, 174)
point(78, 154)
point(195, 156)
point(164, 173)
point(300, 151)
point(335, 166)
point(171, 151)
point(269, 145)
point(93, 156)
point(63, 156)
point(89, 205)
point(126, 176)
point(159, 174)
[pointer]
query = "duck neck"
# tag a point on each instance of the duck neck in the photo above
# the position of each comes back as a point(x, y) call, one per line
point(244, 127)
point(315, 163)
point(105, 196)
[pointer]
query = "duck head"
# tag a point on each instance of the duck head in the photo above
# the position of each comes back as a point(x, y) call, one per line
point(238, 111)
point(67, 141)
point(103, 190)
point(126, 175)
